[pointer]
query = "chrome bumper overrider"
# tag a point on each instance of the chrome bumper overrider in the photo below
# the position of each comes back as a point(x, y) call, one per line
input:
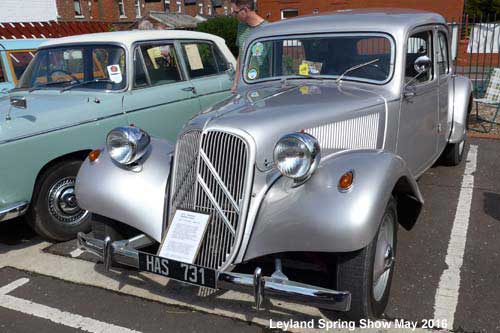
point(14, 210)
point(125, 252)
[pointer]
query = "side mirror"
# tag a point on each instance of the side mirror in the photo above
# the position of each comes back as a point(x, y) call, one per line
point(422, 64)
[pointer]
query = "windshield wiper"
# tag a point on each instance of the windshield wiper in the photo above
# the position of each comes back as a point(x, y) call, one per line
point(354, 68)
point(84, 83)
point(40, 86)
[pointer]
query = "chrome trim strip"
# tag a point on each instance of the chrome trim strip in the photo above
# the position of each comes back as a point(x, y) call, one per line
point(216, 175)
point(13, 210)
point(216, 205)
point(125, 252)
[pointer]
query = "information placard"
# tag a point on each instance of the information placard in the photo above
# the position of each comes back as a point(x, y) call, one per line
point(184, 236)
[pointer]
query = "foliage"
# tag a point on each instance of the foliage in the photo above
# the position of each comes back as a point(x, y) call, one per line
point(222, 26)
point(483, 9)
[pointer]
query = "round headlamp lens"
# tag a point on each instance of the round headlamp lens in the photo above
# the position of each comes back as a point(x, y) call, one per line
point(296, 155)
point(126, 145)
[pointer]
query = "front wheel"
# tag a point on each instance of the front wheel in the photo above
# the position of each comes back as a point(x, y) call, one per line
point(367, 273)
point(55, 214)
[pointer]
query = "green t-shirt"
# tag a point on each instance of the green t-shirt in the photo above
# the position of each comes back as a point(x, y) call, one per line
point(243, 31)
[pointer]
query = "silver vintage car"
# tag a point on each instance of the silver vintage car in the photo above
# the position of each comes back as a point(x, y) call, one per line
point(295, 186)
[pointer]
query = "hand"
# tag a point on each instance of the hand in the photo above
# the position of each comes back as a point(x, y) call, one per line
point(234, 88)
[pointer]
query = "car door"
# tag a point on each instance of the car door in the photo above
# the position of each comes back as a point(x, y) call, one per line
point(417, 139)
point(444, 73)
point(208, 71)
point(162, 99)
point(5, 85)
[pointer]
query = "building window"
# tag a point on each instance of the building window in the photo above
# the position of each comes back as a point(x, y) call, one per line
point(167, 6)
point(179, 7)
point(201, 8)
point(121, 8)
point(137, 8)
point(289, 13)
point(78, 8)
point(315, 11)
point(225, 10)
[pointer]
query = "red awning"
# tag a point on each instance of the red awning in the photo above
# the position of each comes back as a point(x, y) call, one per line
point(50, 29)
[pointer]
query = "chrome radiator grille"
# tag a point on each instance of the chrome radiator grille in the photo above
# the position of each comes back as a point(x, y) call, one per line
point(210, 177)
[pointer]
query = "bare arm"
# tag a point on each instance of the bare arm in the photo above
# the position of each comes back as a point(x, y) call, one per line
point(236, 76)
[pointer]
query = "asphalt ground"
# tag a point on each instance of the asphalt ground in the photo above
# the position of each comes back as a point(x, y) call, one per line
point(421, 261)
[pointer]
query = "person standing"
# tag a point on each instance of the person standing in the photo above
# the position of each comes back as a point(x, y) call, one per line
point(248, 20)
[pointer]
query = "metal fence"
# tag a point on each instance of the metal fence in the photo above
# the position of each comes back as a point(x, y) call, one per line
point(476, 48)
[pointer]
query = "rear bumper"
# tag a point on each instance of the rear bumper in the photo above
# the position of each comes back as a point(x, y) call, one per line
point(125, 252)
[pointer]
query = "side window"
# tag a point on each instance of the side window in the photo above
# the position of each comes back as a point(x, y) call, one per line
point(20, 60)
point(419, 44)
point(2, 75)
point(200, 59)
point(161, 63)
point(222, 63)
point(442, 54)
point(140, 78)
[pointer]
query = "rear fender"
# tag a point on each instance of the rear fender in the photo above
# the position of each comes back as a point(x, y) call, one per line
point(460, 99)
point(317, 217)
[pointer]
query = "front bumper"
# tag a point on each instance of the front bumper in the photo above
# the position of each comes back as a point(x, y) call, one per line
point(126, 252)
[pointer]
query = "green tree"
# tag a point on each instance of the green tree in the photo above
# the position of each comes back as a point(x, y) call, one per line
point(483, 8)
point(222, 26)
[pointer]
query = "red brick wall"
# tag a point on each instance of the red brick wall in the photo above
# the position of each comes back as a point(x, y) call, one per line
point(272, 8)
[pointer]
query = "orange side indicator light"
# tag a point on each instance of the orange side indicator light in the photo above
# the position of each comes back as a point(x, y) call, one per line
point(94, 155)
point(345, 181)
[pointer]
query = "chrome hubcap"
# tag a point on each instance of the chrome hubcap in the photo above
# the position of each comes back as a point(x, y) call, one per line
point(384, 257)
point(62, 202)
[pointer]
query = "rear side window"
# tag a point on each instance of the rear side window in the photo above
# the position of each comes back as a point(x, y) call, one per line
point(442, 54)
point(200, 59)
point(160, 62)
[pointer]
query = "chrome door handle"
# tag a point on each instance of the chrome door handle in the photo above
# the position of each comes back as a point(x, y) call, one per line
point(192, 89)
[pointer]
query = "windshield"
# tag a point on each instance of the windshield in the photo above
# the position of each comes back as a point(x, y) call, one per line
point(101, 66)
point(320, 56)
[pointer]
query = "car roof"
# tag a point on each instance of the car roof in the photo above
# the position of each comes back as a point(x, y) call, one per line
point(129, 37)
point(392, 21)
point(20, 44)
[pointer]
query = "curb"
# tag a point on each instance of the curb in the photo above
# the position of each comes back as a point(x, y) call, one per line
point(477, 135)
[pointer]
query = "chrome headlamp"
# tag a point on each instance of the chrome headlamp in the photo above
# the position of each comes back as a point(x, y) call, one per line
point(297, 156)
point(127, 145)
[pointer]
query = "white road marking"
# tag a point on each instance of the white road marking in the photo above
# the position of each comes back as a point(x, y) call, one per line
point(52, 314)
point(75, 253)
point(446, 299)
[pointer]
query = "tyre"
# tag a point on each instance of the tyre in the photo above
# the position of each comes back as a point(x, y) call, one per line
point(54, 213)
point(453, 153)
point(367, 273)
point(101, 229)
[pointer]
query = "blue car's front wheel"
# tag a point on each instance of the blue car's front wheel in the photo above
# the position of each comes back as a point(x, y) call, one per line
point(55, 214)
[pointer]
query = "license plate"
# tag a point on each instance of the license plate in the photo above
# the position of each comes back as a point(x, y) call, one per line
point(180, 271)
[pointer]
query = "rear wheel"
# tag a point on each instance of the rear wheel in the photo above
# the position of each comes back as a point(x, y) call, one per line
point(55, 214)
point(453, 153)
point(367, 273)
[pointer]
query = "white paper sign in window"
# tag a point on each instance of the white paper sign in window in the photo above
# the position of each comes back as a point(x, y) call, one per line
point(193, 55)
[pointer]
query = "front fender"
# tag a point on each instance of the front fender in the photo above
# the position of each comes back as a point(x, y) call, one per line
point(317, 217)
point(136, 198)
point(459, 100)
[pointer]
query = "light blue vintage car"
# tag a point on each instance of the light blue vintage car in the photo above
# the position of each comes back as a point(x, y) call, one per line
point(78, 88)
point(15, 55)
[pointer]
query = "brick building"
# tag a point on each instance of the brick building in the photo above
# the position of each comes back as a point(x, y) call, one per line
point(275, 10)
point(127, 11)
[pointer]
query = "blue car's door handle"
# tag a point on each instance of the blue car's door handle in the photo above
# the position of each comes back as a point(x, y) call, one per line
point(192, 89)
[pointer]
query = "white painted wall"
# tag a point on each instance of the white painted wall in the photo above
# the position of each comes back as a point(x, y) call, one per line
point(27, 10)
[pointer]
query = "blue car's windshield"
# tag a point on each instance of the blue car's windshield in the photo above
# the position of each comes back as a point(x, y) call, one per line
point(100, 66)
point(321, 56)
